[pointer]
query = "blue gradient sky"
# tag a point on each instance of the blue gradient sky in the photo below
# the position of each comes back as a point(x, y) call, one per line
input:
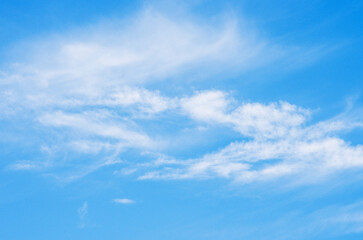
point(193, 120)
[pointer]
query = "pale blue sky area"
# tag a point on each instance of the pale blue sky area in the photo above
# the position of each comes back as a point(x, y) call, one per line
point(165, 120)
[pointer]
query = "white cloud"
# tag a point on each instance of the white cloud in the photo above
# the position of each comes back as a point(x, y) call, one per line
point(88, 83)
point(278, 142)
point(268, 121)
point(98, 123)
point(251, 119)
point(132, 99)
point(206, 106)
point(123, 201)
point(147, 47)
point(96, 65)
point(25, 165)
point(89, 87)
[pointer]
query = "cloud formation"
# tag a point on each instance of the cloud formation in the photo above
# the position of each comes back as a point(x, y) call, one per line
point(277, 142)
point(92, 91)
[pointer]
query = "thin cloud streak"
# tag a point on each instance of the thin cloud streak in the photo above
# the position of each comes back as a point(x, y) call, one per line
point(123, 201)
point(82, 213)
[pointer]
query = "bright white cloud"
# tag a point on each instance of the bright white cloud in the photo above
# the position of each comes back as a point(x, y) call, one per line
point(251, 119)
point(207, 106)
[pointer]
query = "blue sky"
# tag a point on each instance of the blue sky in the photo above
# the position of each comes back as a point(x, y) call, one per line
point(169, 120)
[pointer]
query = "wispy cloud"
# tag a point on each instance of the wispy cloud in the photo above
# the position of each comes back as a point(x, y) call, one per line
point(123, 201)
point(348, 218)
point(25, 165)
point(278, 142)
point(96, 123)
point(146, 46)
point(82, 212)
point(96, 64)
point(90, 90)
